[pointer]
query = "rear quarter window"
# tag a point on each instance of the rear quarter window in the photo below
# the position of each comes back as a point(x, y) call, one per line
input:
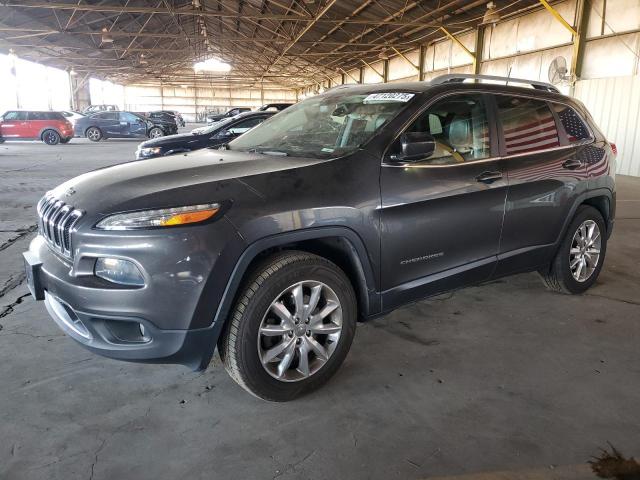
point(575, 128)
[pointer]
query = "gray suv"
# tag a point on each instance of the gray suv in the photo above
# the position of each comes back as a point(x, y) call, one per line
point(340, 208)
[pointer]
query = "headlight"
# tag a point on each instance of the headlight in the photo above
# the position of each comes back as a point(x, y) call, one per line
point(120, 271)
point(163, 217)
point(150, 151)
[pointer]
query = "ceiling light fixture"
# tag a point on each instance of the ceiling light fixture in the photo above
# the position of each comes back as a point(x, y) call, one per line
point(211, 65)
point(12, 54)
point(72, 72)
point(106, 38)
point(491, 16)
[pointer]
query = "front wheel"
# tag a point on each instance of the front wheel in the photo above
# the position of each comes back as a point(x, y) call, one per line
point(51, 137)
point(94, 134)
point(291, 328)
point(156, 132)
point(579, 260)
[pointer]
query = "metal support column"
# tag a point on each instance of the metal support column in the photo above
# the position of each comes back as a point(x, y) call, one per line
point(422, 62)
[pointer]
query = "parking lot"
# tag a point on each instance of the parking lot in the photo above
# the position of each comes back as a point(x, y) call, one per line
point(502, 377)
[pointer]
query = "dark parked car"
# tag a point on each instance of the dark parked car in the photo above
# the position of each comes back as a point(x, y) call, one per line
point(122, 125)
point(211, 136)
point(168, 116)
point(343, 207)
point(50, 127)
point(277, 107)
point(216, 117)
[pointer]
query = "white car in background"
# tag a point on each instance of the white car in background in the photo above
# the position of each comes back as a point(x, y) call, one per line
point(72, 116)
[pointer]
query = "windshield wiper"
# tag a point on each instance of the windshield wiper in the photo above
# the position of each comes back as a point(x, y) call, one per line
point(276, 153)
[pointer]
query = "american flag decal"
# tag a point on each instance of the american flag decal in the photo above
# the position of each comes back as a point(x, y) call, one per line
point(529, 126)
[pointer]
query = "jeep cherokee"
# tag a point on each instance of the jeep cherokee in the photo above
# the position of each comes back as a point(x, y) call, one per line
point(342, 207)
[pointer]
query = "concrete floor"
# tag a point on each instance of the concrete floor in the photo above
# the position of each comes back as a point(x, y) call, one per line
point(503, 377)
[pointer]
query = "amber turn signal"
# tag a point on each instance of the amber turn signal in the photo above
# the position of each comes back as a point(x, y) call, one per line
point(190, 217)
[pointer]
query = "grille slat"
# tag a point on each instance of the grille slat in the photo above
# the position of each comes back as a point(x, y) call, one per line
point(56, 220)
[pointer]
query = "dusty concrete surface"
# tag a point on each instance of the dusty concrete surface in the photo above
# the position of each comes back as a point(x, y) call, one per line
point(502, 377)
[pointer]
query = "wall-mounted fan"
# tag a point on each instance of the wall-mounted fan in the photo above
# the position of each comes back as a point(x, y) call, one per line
point(558, 71)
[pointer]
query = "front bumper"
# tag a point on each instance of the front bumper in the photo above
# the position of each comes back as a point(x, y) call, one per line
point(162, 322)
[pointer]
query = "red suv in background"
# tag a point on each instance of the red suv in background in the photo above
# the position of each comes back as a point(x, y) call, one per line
point(50, 127)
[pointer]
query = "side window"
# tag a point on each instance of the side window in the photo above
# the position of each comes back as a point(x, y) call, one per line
point(528, 124)
point(127, 117)
point(13, 116)
point(107, 116)
point(36, 116)
point(458, 128)
point(575, 128)
point(242, 127)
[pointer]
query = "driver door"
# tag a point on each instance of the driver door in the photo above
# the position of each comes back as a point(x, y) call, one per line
point(442, 213)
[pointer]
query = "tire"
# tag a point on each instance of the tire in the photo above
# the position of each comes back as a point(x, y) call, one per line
point(156, 132)
point(51, 137)
point(94, 134)
point(242, 345)
point(560, 276)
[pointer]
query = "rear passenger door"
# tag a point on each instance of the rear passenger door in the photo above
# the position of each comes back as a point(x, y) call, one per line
point(540, 142)
point(109, 123)
point(441, 215)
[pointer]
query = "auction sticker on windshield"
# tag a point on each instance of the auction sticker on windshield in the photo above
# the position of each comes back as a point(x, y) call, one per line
point(388, 97)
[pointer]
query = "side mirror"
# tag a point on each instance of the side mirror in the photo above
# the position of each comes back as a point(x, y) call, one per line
point(415, 146)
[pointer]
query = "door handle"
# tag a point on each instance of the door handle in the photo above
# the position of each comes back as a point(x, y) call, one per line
point(489, 177)
point(572, 164)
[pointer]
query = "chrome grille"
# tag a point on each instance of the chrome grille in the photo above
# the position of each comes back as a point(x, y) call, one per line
point(56, 220)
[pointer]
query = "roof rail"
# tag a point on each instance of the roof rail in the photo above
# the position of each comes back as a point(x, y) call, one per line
point(461, 77)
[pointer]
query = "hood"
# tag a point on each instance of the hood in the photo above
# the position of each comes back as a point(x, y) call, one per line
point(182, 139)
point(199, 177)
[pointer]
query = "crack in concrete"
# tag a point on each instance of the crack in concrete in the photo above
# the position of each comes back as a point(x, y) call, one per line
point(21, 233)
point(628, 302)
point(95, 458)
point(9, 308)
point(12, 283)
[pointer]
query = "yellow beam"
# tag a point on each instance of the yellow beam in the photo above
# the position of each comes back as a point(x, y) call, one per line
point(558, 17)
point(405, 57)
point(452, 37)
point(349, 75)
point(372, 68)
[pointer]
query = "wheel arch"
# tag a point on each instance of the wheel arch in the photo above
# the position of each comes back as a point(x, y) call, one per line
point(44, 129)
point(340, 245)
point(602, 199)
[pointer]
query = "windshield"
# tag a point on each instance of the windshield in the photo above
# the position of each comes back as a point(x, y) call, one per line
point(324, 126)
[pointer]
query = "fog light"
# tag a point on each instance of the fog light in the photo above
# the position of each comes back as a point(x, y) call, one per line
point(120, 271)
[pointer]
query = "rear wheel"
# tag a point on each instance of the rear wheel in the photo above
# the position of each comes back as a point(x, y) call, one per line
point(579, 260)
point(94, 134)
point(291, 328)
point(156, 132)
point(51, 137)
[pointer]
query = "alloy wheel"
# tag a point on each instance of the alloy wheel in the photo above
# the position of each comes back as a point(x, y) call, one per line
point(155, 133)
point(93, 134)
point(584, 253)
point(300, 331)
